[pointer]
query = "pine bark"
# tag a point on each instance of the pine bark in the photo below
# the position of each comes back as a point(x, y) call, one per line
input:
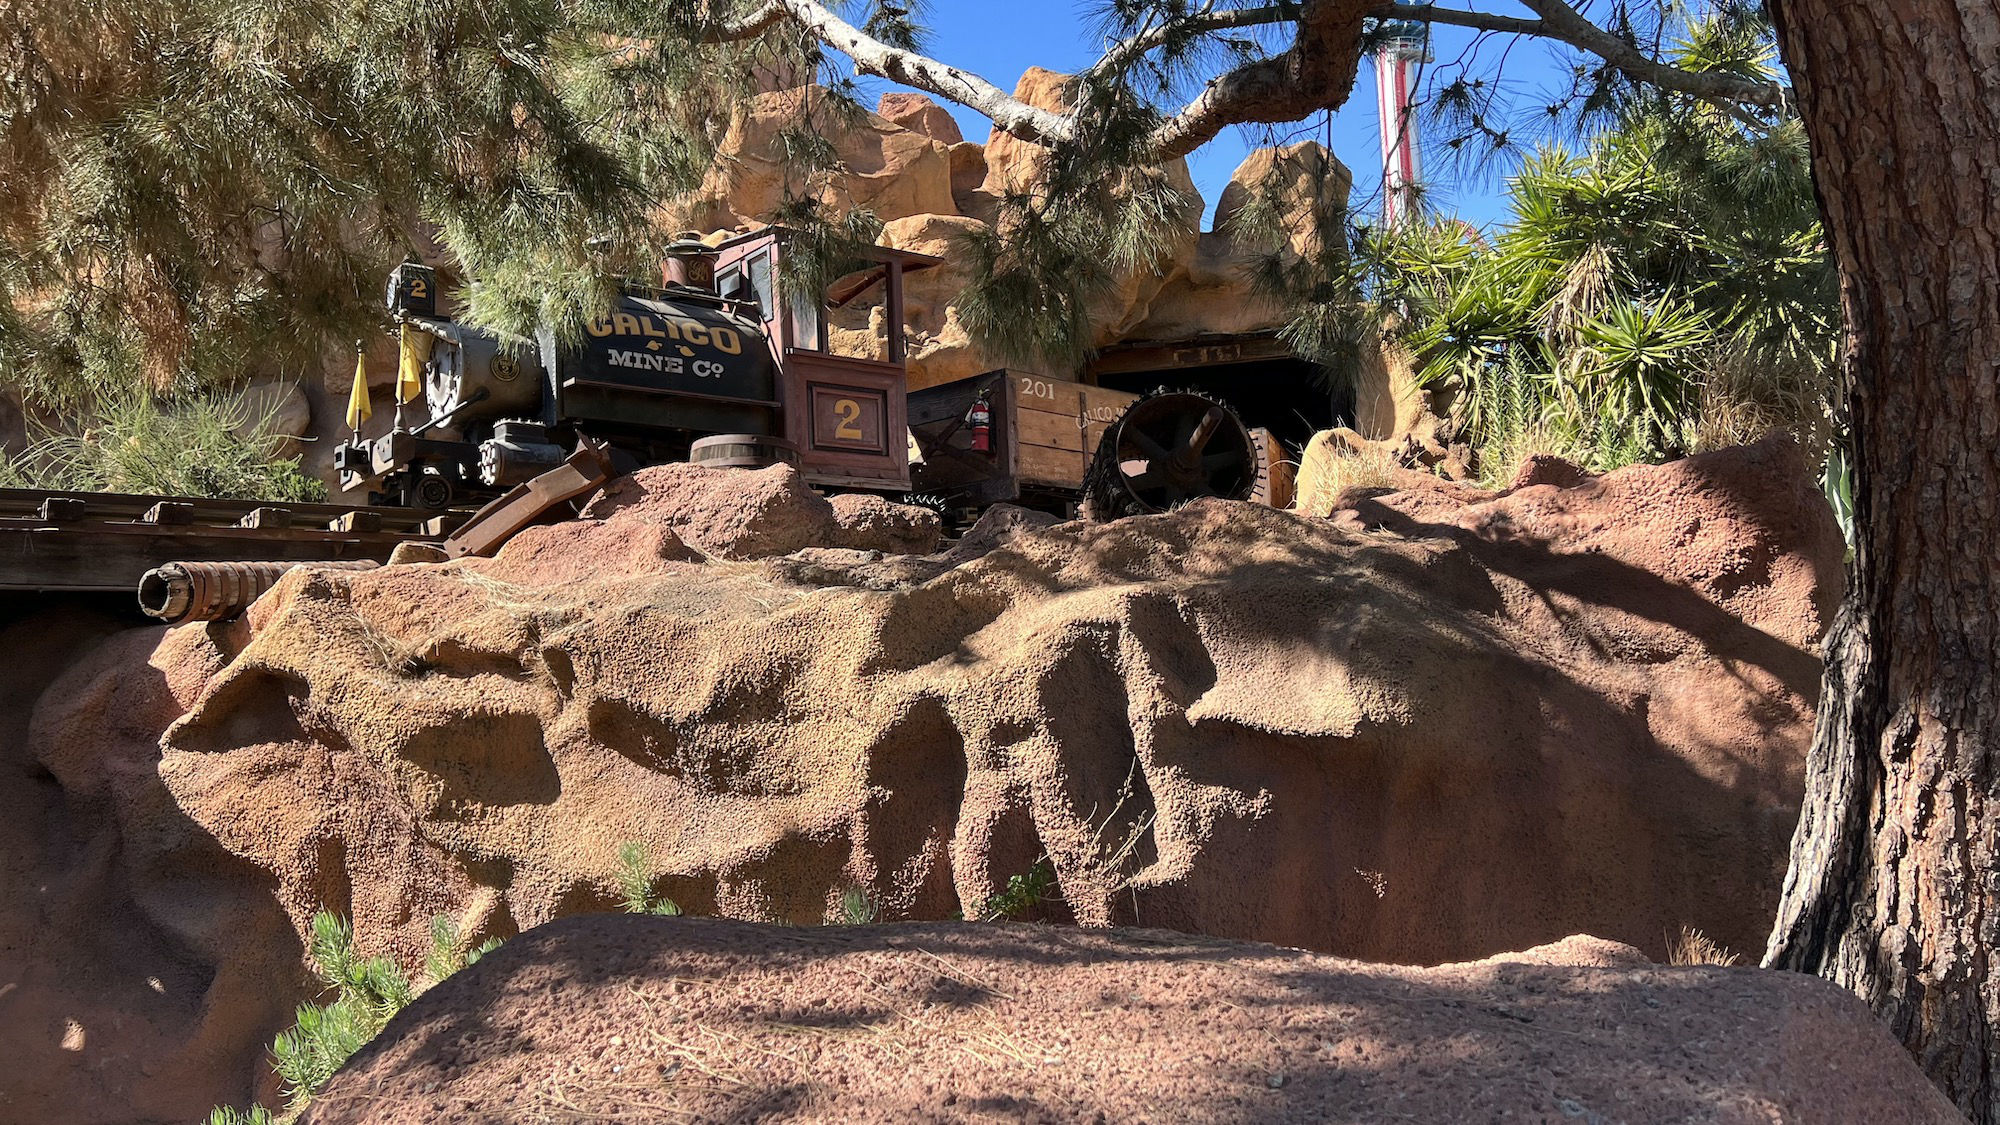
point(1894, 890)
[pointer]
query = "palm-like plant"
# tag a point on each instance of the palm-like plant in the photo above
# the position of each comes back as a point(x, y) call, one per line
point(1665, 287)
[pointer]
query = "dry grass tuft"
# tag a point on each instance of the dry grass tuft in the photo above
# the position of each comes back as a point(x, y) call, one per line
point(1330, 468)
point(1693, 947)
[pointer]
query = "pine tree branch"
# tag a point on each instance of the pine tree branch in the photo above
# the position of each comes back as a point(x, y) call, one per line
point(1478, 21)
point(1567, 25)
point(1133, 48)
point(1316, 72)
point(766, 16)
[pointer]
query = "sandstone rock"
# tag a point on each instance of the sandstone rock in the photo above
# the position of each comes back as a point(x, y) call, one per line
point(995, 527)
point(672, 1019)
point(919, 114)
point(273, 407)
point(1339, 460)
point(727, 514)
point(1447, 724)
point(1546, 468)
point(1388, 403)
point(142, 968)
point(869, 523)
point(968, 175)
point(940, 349)
point(885, 168)
point(1211, 290)
point(1299, 179)
point(1209, 294)
point(1013, 164)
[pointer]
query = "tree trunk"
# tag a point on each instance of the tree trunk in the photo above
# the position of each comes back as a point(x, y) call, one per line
point(1894, 890)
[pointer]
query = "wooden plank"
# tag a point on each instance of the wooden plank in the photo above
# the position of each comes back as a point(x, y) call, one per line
point(1057, 431)
point(1038, 392)
point(1202, 351)
point(1102, 405)
point(948, 402)
point(113, 558)
point(1039, 464)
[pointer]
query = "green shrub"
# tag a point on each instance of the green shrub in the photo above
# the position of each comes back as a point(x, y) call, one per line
point(128, 440)
point(366, 994)
point(229, 1115)
point(858, 907)
point(635, 883)
point(1023, 893)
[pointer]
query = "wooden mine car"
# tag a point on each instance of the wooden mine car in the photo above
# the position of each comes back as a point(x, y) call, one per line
point(1008, 437)
point(1015, 437)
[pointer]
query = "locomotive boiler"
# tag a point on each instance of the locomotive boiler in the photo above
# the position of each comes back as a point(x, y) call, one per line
point(728, 357)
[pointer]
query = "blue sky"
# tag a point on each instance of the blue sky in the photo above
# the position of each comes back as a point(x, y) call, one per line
point(1001, 40)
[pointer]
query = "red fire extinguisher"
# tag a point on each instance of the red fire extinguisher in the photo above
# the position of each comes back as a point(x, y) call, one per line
point(981, 418)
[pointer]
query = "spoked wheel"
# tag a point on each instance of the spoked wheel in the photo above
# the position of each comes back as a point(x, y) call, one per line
point(1165, 450)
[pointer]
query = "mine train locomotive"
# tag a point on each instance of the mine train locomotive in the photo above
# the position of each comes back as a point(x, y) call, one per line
point(727, 361)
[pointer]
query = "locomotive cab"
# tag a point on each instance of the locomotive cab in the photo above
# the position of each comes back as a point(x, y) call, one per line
point(845, 415)
point(729, 343)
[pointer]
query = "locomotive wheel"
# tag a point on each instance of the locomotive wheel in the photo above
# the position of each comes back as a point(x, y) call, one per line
point(429, 490)
point(947, 514)
point(1166, 449)
point(1277, 473)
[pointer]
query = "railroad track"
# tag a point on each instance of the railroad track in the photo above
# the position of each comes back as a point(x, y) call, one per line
point(105, 542)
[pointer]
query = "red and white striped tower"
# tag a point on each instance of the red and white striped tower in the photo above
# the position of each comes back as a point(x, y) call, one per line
point(1396, 60)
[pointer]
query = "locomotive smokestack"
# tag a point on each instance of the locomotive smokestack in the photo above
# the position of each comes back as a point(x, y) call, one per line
point(689, 262)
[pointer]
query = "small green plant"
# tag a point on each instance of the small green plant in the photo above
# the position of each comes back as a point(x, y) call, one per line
point(1023, 893)
point(858, 907)
point(635, 883)
point(447, 956)
point(367, 993)
point(230, 1115)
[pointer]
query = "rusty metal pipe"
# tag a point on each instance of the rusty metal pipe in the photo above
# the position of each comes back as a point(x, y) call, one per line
point(217, 591)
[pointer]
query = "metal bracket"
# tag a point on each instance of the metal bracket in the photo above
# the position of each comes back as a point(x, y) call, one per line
point(525, 505)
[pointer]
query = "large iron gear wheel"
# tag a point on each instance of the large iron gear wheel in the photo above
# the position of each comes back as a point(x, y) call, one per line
point(1168, 448)
point(1277, 473)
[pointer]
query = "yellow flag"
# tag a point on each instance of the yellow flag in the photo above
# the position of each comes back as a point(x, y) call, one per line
point(357, 399)
point(410, 379)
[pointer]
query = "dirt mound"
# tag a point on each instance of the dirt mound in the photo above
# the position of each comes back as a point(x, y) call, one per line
point(671, 1019)
point(1443, 725)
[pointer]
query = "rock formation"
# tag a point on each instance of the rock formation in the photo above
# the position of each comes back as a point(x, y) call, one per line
point(1444, 724)
point(676, 1019)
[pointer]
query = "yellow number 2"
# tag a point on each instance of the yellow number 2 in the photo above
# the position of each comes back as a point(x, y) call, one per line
point(418, 289)
point(850, 413)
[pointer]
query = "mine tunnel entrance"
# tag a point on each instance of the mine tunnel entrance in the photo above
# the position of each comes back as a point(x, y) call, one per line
point(1288, 396)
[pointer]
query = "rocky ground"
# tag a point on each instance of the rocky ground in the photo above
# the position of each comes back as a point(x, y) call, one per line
point(1440, 725)
point(632, 1018)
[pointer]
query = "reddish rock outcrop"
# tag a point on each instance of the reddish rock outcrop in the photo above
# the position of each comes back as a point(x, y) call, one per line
point(1445, 724)
point(676, 1019)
